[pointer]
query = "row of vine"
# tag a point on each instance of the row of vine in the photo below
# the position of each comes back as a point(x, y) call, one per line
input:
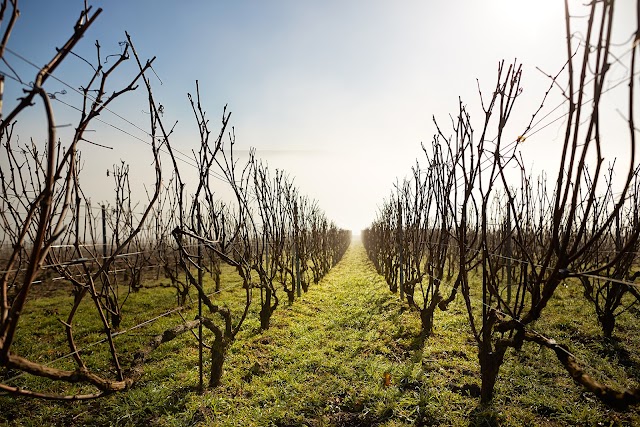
point(275, 238)
point(474, 223)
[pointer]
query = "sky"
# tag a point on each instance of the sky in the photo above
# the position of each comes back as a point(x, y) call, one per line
point(340, 94)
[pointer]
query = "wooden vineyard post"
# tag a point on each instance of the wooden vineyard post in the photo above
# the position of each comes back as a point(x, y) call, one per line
point(295, 243)
point(105, 274)
point(104, 233)
point(200, 263)
point(266, 267)
point(1, 93)
point(509, 256)
point(400, 252)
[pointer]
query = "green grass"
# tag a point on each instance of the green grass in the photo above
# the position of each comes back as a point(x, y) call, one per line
point(324, 360)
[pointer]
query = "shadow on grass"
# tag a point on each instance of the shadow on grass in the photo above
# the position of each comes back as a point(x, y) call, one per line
point(614, 348)
point(418, 342)
point(484, 416)
point(353, 419)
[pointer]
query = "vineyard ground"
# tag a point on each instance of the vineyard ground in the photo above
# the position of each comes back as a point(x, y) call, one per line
point(344, 354)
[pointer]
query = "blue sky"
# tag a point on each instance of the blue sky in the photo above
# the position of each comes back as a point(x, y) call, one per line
point(338, 93)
